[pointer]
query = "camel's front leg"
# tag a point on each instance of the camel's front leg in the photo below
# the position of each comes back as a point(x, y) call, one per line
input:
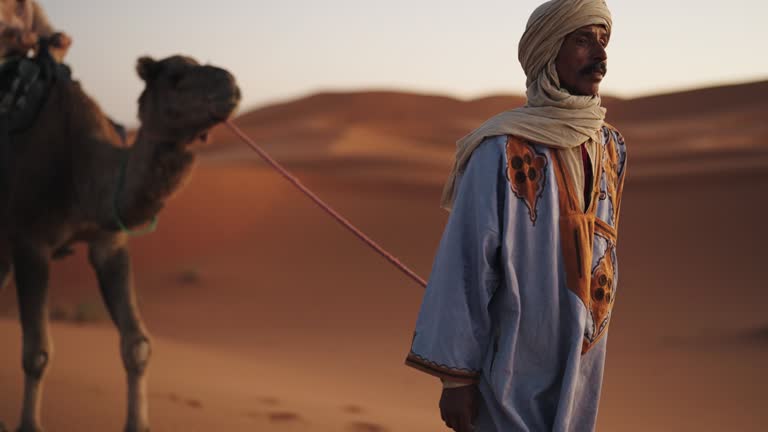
point(31, 268)
point(5, 271)
point(5, 267)
point(111, 262)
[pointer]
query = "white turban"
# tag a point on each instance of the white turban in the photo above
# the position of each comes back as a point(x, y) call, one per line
point(552, 116)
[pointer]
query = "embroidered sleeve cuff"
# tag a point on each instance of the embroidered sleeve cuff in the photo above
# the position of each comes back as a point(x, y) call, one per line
point(446, 373)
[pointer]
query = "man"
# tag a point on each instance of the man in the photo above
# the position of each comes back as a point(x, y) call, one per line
point(22, 23)
point(522, 287)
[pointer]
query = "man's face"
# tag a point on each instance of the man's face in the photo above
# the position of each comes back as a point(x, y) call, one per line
point(581, 62)
point(15, 13)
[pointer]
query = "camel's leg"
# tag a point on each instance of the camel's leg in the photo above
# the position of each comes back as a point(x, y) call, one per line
point(31, 269)
point(5, 267)
point(111, 262)
point(5, 271)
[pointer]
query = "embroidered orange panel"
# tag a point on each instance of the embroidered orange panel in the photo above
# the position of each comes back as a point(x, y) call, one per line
point(614, 181)
point(602, 293)
point(526, 172)
point(577, 231)
point(577, 234)
point(620, 191)
point(611, 169)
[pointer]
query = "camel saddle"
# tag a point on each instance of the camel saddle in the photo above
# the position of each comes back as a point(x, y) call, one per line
point(24, 85)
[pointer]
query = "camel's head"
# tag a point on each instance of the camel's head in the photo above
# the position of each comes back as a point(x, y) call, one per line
point(183, 99)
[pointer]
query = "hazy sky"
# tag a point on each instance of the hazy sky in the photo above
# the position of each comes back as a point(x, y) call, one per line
point(279, 49)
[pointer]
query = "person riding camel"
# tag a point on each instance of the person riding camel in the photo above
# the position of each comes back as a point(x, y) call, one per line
point(23, 24)
point(26, 30)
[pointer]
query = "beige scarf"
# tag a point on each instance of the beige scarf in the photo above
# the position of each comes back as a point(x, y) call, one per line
point(552, 116)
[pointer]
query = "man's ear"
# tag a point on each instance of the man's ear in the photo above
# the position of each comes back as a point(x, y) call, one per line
point(147, 68)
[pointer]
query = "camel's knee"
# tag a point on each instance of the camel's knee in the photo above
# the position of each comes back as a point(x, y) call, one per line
point(35, 362)
point(5, 272)
point(3, 279)
point(136, 353)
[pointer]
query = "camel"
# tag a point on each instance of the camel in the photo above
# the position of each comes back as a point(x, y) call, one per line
point(64, 188)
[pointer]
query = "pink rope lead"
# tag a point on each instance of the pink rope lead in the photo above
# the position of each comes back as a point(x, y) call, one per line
point(339, 218)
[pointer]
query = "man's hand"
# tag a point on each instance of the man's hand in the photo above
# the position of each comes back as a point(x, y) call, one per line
point(61, 40)
point(60, 43)
point(458, 407)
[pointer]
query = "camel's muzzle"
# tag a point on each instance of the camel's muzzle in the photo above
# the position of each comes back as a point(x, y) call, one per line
point(225, 99)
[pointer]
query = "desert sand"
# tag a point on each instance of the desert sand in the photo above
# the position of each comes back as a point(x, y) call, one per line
point(267, 316)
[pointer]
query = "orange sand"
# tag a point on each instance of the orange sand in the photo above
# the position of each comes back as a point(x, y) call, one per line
point(267, 316)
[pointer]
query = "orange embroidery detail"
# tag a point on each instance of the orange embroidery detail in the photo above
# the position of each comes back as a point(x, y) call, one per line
point(602, 295)
point(610, 167)
point(526, 172)
point(577, 232)
point(465, 376)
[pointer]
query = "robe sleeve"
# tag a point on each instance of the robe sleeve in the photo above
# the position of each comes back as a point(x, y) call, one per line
point(453, 329)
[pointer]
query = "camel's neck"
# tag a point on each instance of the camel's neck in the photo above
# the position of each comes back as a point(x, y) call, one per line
point(156, 167)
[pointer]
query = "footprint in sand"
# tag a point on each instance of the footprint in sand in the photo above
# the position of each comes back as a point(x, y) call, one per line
point(283, 417)
point(268, 400)
point(365, 427)
point(276, 416)
point(192, 403)
point(352, 409)
point(254, 415)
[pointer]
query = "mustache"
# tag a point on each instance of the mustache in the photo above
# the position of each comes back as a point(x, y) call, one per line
point(601, 67)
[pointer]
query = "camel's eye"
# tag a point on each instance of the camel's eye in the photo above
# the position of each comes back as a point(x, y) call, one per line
point(175, 79)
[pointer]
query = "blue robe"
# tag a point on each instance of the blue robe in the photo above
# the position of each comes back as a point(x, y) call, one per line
point(523, 284)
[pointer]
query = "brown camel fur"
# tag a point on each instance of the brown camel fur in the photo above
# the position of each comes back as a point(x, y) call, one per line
point(63, 183)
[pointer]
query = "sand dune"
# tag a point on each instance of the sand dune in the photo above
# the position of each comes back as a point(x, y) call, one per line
point(192, 388)
point(267, 316)
point(719, 129)
point(689, 104)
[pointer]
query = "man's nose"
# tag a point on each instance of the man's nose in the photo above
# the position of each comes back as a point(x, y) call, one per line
point(599, 54)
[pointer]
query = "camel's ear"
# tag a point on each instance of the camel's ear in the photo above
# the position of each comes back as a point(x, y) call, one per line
point(147, 68)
